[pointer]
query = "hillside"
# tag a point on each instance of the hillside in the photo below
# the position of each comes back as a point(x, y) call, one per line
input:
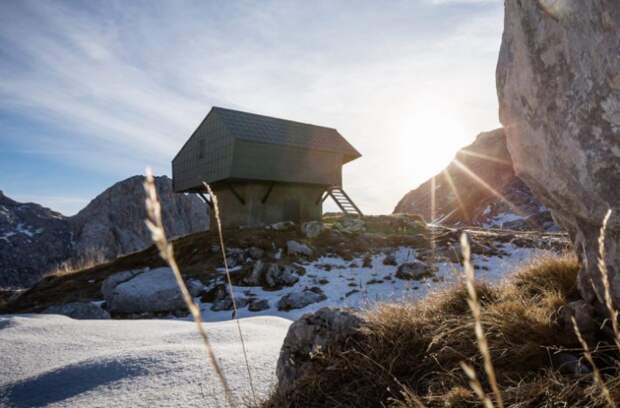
point(479, 188)
point(288, 270)
point(35, 240)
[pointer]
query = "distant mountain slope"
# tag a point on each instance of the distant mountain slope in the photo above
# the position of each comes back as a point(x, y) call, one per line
point(35, 239)
point(479, 187)
point(32, 238)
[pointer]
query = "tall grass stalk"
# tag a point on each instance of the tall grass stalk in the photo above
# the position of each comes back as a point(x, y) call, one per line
point(155, 225)
point(602, 266)
point(595, 372)
point(474, 306)
point(218, 221)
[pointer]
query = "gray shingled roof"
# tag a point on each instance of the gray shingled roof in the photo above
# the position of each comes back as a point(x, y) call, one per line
point(266, 129)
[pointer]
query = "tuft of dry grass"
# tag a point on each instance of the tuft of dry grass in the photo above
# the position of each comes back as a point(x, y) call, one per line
point(92, 259)
point(409, 355)
point(216, 209)
point(474, 306)
point(155, 225)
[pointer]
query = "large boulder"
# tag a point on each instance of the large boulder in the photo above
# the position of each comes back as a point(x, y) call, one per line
point(301, 299)
point(558, 82)
point(310, 334)
point(149, 291)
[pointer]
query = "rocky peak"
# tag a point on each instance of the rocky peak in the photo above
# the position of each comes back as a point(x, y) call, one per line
point(479, 187)
point(35, 239)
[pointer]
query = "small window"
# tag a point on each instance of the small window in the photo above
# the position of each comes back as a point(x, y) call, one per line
point(201, 149)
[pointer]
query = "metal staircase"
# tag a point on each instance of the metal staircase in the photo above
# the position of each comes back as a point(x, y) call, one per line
point(342, 200)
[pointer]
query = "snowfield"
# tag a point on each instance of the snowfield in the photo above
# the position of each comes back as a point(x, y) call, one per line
point(55, 361)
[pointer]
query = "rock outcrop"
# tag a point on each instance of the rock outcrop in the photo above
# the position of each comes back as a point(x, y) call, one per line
point(558, 82)
point(479, 187)
point(113, 223)
point(34, 240)
point(311, 334)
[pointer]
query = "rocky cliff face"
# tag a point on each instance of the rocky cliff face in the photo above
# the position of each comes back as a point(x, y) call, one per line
point(35, 240)
point(113, 223)
point(558, 82)
point(32, 238)
point(479, 187)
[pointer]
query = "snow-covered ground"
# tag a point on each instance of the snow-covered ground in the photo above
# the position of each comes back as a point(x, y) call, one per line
point(348, 284)
point(55, 361)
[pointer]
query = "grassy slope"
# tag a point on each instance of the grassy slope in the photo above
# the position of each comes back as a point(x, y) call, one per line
point(409, 356)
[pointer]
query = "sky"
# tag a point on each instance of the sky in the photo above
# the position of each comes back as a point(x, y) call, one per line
point(91, 92)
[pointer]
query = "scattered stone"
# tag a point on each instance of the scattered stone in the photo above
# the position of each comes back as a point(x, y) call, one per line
point(312, 229)
point(374, 282)
point(281, 226)
point(350, 225)
point(297, 248)
point(367, 261)
point(256, 276)
point(223, 301)
point(278, 276)
point(584, 314)
point(255, 253)
point(390, 260)
point(298, 300)
point(79, 310)
point(414, 270)
point(312, 332)
point(195, 287)
point(256, 305)
point(323, 281)
point(351, 292)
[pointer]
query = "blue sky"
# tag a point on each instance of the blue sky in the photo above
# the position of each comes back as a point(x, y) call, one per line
point(91, 92)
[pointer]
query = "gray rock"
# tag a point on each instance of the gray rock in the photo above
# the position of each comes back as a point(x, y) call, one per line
point(113, 223)
point(350, 225)
point(195, 287)
point(151, 291)
point(256, 305)
point(312, 229)
point(282, 226)
point(223, 301)
point(278, 276)
point(297, 248)
point(414, 270)
point(255, 253)
point(79, 310)
point(298, 300)
point(112, 281)
point(312, 332)
point(558, 82)
point(255, 277)
point(390, 260)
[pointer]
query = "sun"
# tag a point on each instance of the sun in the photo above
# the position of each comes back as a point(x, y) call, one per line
point(429, 139)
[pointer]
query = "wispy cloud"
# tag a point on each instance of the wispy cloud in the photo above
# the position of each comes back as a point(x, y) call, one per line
point(127, 82)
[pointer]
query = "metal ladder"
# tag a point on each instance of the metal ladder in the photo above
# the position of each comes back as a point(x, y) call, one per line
point(342, 200)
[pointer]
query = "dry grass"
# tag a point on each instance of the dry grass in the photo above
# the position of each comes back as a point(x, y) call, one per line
point(71, 266)
point(155, 225)
point(410, 355)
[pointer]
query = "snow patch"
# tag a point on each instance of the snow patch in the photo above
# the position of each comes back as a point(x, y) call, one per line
point(55, 361)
